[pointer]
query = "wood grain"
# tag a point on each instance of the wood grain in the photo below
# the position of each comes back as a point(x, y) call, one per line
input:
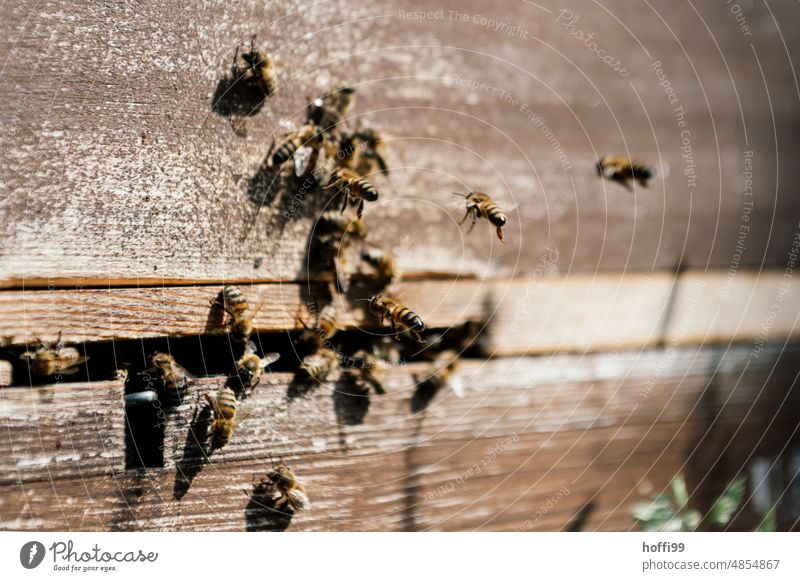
point(112, 178)
point(537, 315)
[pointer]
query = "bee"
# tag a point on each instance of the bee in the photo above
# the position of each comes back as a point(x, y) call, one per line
point(304, 145)
point(385, 307)
point(250, 366)
point(351, 185)
point(174, 378)
point(329, 111)
point(622, 170)
point(46, 361)
point(332, 237)
point(383, 261)
point(258, 73)
point(480, 205)
point(320, 364)
point(362, 152)
point(428, 386)
point(370, 369)
point(241, 317)
point(224, 409)
point(290, 490)
point(314, 338)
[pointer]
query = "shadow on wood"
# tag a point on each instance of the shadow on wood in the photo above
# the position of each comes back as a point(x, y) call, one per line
point(195, 454)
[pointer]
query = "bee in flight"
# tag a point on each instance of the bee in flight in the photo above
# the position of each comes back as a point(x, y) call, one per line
point(479, 205)
point(223, 407)
point(235, 305)
point(624, 171)
point(174, 379)
point(384, 307)
point(250, 366)
point(46, 361)
point(351, 185)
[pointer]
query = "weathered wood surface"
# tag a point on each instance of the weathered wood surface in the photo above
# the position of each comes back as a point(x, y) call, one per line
point(60, 431)
point(113, 171)
point(575, 313)
point(597, 426)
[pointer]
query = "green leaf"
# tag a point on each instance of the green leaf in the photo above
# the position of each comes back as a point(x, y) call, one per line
point(727, 504)
point(768, 523)
point(679, 492)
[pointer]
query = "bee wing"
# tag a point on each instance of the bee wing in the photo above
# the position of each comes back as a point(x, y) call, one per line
point(141, 397)
point(298, 499)
point(306, 158)
point(458, 386)
point(269, 359)
point(239, 125)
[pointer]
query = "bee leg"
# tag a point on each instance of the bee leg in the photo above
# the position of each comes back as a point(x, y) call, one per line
point(500, 235)
point(474, 221)
point(464, 219)
point(416, 336)
point(345, 197)
point(360, 210)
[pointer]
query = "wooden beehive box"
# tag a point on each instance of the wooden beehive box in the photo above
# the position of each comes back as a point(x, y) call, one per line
point(629, 336)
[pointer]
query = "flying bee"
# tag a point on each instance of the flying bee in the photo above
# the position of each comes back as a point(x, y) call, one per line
point(289, 489)
point(174, 379)
point(224, 409)
point(250, 366)
point(351, 185)
point(384, 307)
point(320, 364)
point(383, 261)
point(480, 205)
point(371, 370)
point(241, 317)
point(362, 152)
point(303, 145)
point(623, 171)
point(46, 361)
point(258, 72)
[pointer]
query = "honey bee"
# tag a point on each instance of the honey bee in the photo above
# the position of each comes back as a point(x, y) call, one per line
point(250, 366)
point(428, 386)
point(480, 205)
point(224, 409)
point(383, 261)
point(241, 317)
point(351, 185)
point(314, 338)
point(623, 171)
point(361, 152)
point(333, 236)
point(304, 146)
point(385, 307)
point(174, 378)
point(258, 72)
point(370, 369)
point(329, 111)
point(47, 361)
point(320, 364)
point(290, 490)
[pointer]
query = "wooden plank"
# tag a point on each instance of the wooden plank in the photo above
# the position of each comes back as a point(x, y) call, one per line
point(61, 431)
point(6, 373)
point(128, 179)
point(537, 315)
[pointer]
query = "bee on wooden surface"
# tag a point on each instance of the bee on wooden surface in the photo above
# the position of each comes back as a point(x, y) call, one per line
point(384, 263)
point(370, 369)
point(362, 152)
point(333, 236)
point(223, 407)
point(240, 323)
point(440, 375)
point(624, 171)
point(312, 339)
point(320, 364)
point(304, 146)
point(479, 205)
point(46, 361)
point(250, 366)
point(351, 185)
point(258, 73)
point(290, 491)
point(384, 307)
point(328, 112)
point(174, 379)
